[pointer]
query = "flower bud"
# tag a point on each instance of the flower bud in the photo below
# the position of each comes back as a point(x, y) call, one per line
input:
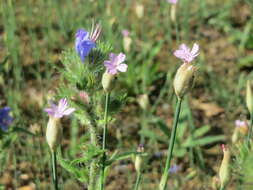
point(108, 81)
point(139, 159)
point(143, 101)
point(139, 10)
point(225, 173)
point(183, 80)
point(53, 133)
point(127, 41)
point(249, 97)
point(173, 12)
point(235, 136)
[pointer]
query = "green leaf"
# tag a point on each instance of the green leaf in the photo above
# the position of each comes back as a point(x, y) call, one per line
point(203, 141)
point(201, 131)
point(122, 156)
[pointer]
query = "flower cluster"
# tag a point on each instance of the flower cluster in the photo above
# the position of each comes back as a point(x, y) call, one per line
point(5, 118)
point(86, 41)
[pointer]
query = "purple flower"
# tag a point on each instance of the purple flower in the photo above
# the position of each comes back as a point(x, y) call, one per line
point(172, 1)
point(5, 118)
point(85, 42)
point(174, 169)
point(58, 111)
point(115, 63)
point(239, 123)
point(186, 54)
point(125, 33)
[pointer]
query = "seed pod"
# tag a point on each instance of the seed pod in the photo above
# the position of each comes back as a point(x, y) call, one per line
point(139, 10)
point(225, 173)
point(53, 133)
point(183, 80)
point(108, 81)
point(249, 97)
point(127, 41)
point(139, 159)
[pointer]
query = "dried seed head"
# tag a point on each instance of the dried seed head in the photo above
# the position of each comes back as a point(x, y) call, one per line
point(183, 80)
point(53, 133)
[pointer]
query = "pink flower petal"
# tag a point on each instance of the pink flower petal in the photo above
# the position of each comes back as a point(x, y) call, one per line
point(184, 47)
point(179, 54)
point(122, 67)
point(121, 58)
point(112, 56)
point(195, 49)
point(68, 111)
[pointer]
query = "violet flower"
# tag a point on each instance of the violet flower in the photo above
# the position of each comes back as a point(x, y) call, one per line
point(186, 54)
point(174, 169)
point(58, 111)
point(85, 41)
point(172, 1)
point(5, 118)
point(115, 63)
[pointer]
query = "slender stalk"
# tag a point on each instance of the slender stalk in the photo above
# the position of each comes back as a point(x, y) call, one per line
point(138, 180)
point(222, 188)
point(165, 176)
point(250, 130)
point(54, 168)
point(107, 99)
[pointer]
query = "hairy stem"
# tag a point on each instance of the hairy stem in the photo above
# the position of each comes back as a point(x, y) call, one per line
point(165, 176)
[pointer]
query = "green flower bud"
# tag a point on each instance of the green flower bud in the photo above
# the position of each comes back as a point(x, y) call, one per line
point(53, 133)
point(183, 80)
point(108, 81)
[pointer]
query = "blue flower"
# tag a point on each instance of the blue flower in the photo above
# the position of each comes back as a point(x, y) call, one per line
point(85, 42)
point(5, 118)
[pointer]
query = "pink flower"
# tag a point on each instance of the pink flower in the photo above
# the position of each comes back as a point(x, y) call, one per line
point(239, 123)
point(186, 54)
point(58, 111)
point(172, 1)
point(115, 63)
point(125, 32)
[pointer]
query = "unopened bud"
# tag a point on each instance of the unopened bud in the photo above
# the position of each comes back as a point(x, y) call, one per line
point(235, 136)
point(139, 159)
point(143, 101)
point(139, 10)
point(127, 41)
point(183, 80)
point(249, 97)
point(225, 173)
point(53, 133)
point(108, 81)
point(173, 11)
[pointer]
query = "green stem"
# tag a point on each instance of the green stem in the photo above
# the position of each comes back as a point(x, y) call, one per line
point(107, 99)
point(222, 188)
point(54, 168)
point(250, 130)
point(165, 176)
point(138, 180)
